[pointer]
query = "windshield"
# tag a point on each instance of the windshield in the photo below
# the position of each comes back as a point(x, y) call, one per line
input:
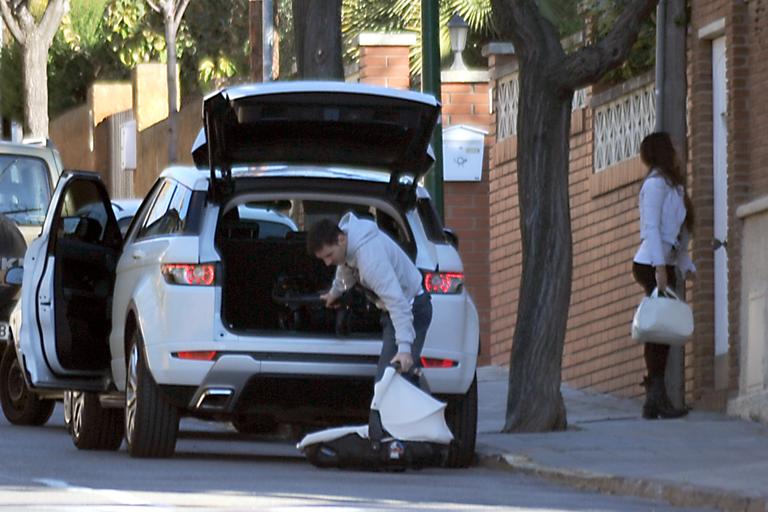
point(24, 189)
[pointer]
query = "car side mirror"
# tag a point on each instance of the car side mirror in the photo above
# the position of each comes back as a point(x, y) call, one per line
point(452, 237)
point(14, 276)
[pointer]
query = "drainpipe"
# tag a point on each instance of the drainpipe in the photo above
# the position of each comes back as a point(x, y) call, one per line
point(670, 117)
point(430, 83)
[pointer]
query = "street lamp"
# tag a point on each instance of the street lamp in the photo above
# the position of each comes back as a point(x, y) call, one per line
point(457, 29)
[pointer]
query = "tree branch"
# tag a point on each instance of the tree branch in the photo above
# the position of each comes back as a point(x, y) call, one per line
point(10, 22)
point(589, 64)
point(54, 11)
point(154, 6)
point(532, 34)
point(180, 9)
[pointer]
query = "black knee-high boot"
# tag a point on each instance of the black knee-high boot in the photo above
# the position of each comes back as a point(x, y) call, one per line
point(657, 403)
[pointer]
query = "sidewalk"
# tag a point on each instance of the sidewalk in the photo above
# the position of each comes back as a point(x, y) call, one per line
point(703, 460)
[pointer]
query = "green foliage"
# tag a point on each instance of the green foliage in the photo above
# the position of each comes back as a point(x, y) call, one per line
point(11, 87)
point(219, 32)
point(642, 56)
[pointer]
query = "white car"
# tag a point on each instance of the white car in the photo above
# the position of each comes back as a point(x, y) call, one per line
point(204, 309)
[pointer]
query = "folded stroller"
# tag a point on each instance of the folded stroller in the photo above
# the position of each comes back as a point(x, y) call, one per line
point(406, 429)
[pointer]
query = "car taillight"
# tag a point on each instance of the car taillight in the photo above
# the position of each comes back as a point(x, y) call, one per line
point(197, 355)
point(428, 362)
point(184, 273)
point(443, 282)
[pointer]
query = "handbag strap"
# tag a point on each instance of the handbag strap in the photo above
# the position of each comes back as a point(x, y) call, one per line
point(669, 292)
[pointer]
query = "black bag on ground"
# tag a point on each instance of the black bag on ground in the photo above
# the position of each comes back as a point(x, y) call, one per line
point(406, 429)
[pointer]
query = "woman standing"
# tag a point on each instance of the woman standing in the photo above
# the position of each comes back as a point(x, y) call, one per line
point(666, 220)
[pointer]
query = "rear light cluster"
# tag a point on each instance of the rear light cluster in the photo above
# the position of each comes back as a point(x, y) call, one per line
point(187, 274)
point(443, 282)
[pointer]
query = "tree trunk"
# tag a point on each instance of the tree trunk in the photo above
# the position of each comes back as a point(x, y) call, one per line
point(534, 403)
point(170, 43)
point(35, 59)
point(317, 28)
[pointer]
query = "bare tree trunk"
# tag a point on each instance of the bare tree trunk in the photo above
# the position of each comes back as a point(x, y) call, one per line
point(170, 45)
point(317, 28)
point(35, 59)
point(534, 402)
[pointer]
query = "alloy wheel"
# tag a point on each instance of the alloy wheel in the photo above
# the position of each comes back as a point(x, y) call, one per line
point(131, 388)
point(17, 389)
point(77, 404)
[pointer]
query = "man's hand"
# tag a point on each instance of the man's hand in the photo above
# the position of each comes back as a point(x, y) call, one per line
point(330, 300)
point(405, 360)
point(661, 278)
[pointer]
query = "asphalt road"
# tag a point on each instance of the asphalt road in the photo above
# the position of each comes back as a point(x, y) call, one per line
point(216, 469)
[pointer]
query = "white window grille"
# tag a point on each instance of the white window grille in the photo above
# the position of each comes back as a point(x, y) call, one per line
point(506, 114)
point(621, 125)
point(508, 100)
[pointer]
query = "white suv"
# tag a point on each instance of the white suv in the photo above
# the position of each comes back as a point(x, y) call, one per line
point(209, 306)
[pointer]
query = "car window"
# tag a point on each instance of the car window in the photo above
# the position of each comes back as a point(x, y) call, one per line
point(83, 214)
point(433, 227)
point(169, 212)
point(25, 189)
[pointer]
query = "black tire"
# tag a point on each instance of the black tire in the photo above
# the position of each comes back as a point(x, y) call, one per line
point(151, 422)
point(461, 416)
point(91, 426)
point(20, 405)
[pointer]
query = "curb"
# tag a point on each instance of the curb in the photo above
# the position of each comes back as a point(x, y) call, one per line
point(677, 494)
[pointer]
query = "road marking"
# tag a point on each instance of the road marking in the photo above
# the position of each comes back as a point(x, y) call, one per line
point(119, 497)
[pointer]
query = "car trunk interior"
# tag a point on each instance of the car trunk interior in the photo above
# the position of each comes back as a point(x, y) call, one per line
point(272, 285)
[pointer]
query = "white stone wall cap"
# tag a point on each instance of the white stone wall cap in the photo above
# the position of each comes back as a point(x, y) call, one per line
point(386, 39)
point(759, 205)
point(498, 49)
point(465, 76)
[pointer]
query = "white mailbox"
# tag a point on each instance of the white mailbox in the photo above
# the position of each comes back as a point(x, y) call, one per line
point(463, 153)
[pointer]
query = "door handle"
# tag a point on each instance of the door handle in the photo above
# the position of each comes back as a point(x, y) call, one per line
point(716, 244)
point(138, 255)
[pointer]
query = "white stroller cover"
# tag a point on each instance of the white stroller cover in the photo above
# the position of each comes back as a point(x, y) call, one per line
point(406, 412)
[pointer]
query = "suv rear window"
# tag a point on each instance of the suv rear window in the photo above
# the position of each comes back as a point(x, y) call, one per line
point(25, 189)
point(168, 213)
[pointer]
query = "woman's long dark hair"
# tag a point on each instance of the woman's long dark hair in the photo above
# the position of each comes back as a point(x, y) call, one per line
point(658, 153)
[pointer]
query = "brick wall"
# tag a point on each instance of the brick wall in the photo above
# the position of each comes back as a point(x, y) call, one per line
point(466, 203)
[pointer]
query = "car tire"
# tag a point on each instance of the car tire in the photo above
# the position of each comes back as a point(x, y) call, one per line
point(91, 426)
point(461, 415)
point(151, 422)
point(20, 405)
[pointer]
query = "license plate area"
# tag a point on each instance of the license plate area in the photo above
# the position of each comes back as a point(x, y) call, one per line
point(5, 331)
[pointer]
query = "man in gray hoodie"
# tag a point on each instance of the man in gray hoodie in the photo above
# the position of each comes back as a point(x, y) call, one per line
point(365, 255)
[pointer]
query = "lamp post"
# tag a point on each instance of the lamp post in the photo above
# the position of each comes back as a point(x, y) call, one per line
point(457, 30)
point(430, 83)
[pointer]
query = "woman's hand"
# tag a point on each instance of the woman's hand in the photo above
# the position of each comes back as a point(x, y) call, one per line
point(661, 278)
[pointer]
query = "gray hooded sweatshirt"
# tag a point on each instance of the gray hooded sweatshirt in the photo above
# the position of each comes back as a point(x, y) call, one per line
point(376, 262)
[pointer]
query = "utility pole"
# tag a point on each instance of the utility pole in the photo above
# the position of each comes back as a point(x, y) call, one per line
point(430, 83)
point(255, 26)
point(671, 83)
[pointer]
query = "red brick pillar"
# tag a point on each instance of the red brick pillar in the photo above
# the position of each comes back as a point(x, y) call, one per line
point(465, 101)
point(384, 59)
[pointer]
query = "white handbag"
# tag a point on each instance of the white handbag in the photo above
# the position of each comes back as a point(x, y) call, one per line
point(662, 319)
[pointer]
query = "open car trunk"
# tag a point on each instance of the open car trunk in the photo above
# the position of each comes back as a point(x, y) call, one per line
point(271, 284)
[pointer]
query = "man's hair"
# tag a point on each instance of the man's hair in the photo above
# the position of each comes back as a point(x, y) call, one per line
point(322, 233)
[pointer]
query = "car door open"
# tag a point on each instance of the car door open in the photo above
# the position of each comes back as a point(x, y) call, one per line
point(73, 289)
